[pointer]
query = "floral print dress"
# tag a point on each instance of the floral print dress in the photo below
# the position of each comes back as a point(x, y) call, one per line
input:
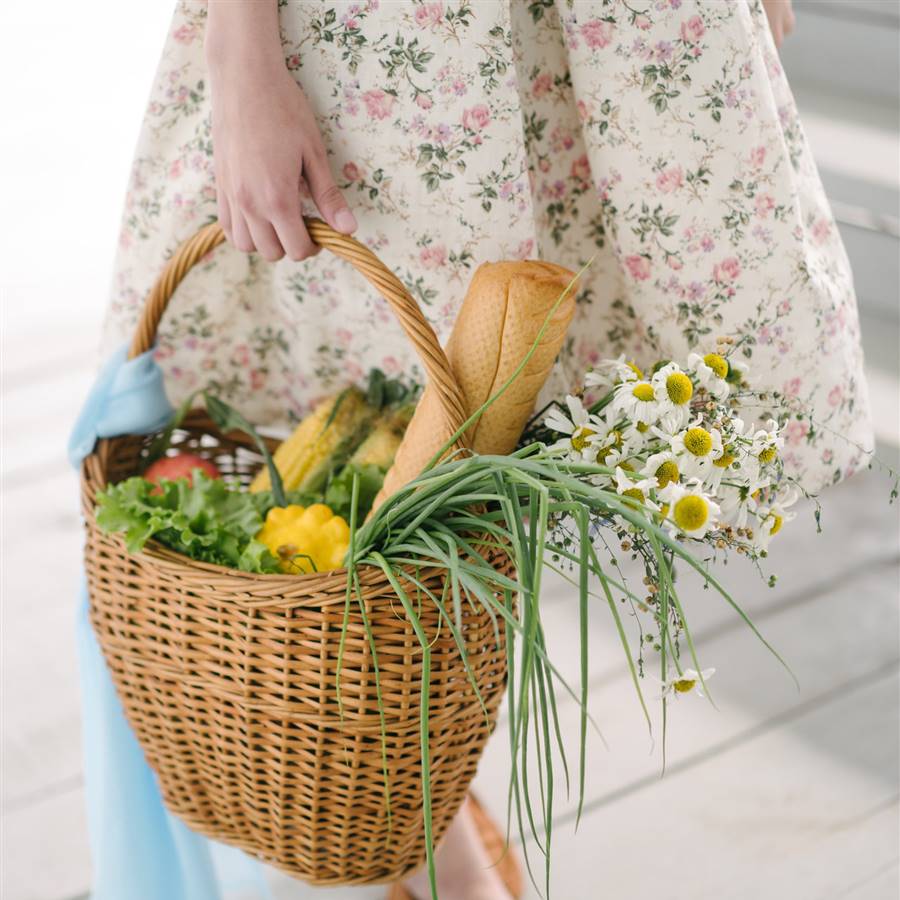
point(658, 138)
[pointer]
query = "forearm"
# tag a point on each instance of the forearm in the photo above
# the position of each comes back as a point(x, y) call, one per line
point(242, 36)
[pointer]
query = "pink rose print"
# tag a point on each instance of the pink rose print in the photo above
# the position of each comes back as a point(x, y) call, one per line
point(692, 30)
point(638, 267)
point(257, 379)
point(351, 171)
point(765, 203)
point(821, 231)
point(794, 432)
point(581, 169)
point(674, 263)
point(670, 179)
point(476, 118)
point(429, 14)
point(641, 21)
point(185, 34)
point(792, 388)
point(835, 395)
point(584, 111)
point(727, 270)
point(542, 84)
point(757, 157)
point(433, 256)
point(423, 101)
point(525, 249)
point(597, 34)
point(378, 103)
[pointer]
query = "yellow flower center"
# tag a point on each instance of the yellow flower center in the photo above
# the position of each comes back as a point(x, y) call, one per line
point(683, 685)
point(679, 388)
point(667, 473)
point(580, 437)
point(777, 522)
point(644, 392)
point(698, 441)
point(769, 455)
point(717, 363)
point(642, 427)
point(725, 460)
point(691, 512)
point(633, 366)
point(635, 494)
point(626, 466)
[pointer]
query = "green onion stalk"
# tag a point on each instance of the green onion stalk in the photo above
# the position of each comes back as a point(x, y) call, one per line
point(547, 513)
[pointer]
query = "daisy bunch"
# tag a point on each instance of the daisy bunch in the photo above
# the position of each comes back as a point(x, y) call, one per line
point(675, 446)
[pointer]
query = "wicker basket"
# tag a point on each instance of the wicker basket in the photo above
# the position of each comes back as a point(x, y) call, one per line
point(228, 678)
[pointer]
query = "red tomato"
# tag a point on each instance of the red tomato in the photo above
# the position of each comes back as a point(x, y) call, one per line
point(171, 468)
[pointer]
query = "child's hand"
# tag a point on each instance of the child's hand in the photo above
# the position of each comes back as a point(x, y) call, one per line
point(781, 19)
point(266, 141)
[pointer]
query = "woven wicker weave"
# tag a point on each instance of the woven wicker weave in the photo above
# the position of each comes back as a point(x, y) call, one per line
point(228, 678)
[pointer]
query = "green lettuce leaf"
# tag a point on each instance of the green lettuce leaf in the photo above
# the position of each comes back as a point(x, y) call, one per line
point(340, 489)
point(208, 521)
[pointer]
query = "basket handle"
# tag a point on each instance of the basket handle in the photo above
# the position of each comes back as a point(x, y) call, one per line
point(414, 323)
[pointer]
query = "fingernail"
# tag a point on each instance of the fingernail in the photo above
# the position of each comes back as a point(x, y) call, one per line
point(345, 221)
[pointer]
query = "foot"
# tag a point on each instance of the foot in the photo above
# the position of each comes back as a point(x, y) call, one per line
point(462, 866)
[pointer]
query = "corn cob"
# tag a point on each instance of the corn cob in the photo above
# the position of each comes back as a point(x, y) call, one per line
point(331, 431)
point(379, 448)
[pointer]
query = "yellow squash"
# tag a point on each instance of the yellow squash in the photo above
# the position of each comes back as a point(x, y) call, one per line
point(306, 539)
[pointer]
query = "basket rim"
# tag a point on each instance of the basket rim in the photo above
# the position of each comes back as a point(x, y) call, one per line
point(275, 589)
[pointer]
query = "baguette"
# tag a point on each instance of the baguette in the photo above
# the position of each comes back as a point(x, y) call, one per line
point(504, 309)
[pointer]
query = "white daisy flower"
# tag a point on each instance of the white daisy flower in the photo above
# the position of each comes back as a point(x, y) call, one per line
point(579, 427)
point(689, 680)
point(673, 389)
point(767, 443)
point(736, 465)
point(663, 467)
point(697, 448)
point(771, 518)
point(636, 400)
point(736, 504)
point(711, 371)
point(630, 486)
point(611, 372)
point(689, 509)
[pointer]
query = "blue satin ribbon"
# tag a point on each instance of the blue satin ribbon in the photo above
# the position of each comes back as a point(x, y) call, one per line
point(139, 850)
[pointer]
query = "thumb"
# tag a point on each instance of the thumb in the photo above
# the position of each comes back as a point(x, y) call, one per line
point(328, 198)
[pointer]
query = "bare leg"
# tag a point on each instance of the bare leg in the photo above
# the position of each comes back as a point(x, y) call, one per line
point(462, 866)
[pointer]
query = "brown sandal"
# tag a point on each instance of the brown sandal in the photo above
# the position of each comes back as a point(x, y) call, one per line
point(495, 844)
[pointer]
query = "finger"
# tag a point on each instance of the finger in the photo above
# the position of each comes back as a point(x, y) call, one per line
point(224, 212)
point(267, 244)
point(790, 23)
point(292, 231)
point(326, 194)
point(241, 232)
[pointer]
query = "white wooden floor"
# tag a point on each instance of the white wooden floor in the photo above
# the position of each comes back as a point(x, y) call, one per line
point(776, 792)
